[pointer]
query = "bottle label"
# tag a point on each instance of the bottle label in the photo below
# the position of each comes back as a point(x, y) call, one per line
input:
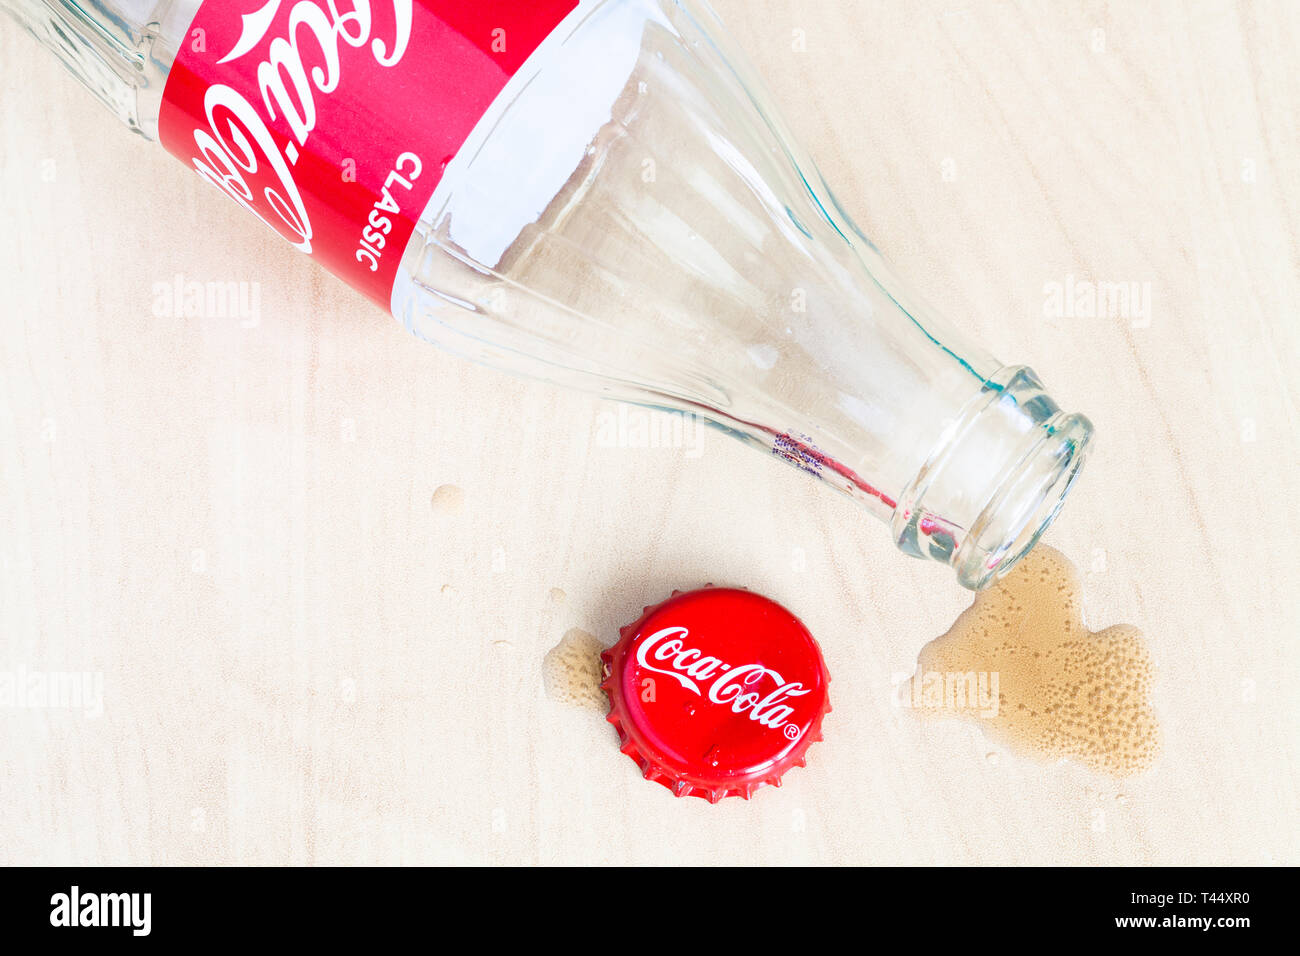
point(333, 120)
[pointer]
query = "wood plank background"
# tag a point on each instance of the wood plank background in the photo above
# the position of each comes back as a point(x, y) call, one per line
point(303, 661)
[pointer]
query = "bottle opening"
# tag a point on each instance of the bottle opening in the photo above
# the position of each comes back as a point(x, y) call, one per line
point(996, 481)
point(1014, 521)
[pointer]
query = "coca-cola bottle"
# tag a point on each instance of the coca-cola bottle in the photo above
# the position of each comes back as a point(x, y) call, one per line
point(601, 194)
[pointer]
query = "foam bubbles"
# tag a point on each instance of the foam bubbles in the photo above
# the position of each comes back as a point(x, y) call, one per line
point(572, 671)
point(1063, 691)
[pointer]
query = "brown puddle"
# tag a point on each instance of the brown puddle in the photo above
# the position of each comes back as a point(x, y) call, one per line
point(572, 671)
point(1021, 662)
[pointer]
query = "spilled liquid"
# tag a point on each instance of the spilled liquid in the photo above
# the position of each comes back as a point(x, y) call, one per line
point(447, 500)
point(571, 671)
point(1022, 663)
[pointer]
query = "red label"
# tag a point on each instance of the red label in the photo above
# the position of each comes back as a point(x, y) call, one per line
point(333, 120)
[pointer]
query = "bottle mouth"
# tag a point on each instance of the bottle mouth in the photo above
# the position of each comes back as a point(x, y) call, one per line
point(1013, 521)
point(996, 480)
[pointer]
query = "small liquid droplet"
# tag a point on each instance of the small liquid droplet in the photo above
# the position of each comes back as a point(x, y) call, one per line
point(557, 596)
point(448, 591)
point(447, 500)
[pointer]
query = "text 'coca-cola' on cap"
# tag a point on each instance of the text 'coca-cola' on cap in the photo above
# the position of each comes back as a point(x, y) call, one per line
point(716, 692)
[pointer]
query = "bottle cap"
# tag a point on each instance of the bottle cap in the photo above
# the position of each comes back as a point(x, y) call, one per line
point(716, 692)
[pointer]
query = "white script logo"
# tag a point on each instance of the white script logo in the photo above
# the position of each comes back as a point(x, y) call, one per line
point(238, 141)
point(727, 684)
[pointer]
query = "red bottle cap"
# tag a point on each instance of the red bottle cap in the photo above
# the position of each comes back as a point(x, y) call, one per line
point(716, 692)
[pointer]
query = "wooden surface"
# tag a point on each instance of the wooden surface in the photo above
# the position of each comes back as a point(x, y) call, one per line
point(304, 661)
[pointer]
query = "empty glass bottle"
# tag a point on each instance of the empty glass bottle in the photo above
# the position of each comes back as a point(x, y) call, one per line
point(624, 211)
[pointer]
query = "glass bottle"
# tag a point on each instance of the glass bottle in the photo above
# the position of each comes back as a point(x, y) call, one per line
point(630, 216)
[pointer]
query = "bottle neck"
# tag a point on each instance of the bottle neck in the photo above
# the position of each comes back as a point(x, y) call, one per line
point(995, 481)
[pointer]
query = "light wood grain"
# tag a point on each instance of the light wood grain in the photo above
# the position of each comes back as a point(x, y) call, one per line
point(234, 526)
